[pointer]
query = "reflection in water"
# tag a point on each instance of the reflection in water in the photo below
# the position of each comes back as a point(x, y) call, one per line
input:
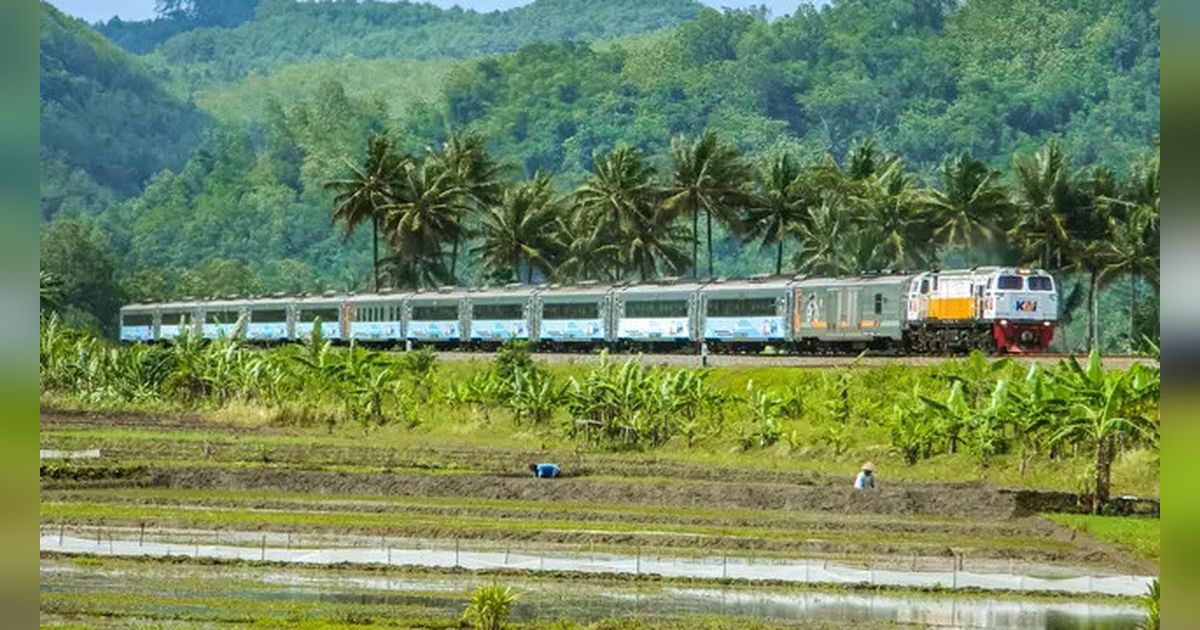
point(446, 596)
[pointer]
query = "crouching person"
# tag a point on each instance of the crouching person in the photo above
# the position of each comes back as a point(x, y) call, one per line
point(866, 477)
point(548, 471)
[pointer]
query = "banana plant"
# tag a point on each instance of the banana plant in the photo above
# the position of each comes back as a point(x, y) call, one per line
point(1101, 406)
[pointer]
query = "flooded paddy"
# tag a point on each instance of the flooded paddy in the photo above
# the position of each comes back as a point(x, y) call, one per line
point(444, 596)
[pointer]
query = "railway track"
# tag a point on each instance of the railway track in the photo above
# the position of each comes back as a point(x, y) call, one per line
point(766, 360)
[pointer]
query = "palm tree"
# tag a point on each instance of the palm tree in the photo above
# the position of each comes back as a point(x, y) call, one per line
point(587, 251)
point(520, 230)
point(891, 214)
point(1134, 247)
point(970, 209)
point(822, 240)
point(1091, 227)
point(620, 189)
point(1047, 196)
point(368, 189)
point(656, 238)
point(50, 291)
point(712, 176)
point(782, 200)
point(477, 176)
point(420, 218)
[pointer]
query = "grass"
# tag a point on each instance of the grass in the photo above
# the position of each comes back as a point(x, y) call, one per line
point(1137, 535)
point(493, 528)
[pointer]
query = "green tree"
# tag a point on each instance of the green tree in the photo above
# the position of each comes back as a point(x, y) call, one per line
point(79, 257)
point(970, 208)
point(890, 211)
point(422, 216)
point(781, 205)
point(711, 176)
point(617, 195)
point(1047, 196)
point(369, 190)
point(520, 230)
point(475, 175)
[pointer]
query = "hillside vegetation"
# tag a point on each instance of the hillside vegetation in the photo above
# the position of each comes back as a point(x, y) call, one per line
point(107, 124)
point(921, 82)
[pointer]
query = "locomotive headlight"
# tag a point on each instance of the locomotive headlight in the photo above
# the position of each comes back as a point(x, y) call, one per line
point(1004, 322)
point(1045, 323)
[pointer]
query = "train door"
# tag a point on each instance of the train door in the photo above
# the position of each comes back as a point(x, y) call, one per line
point(852, 313)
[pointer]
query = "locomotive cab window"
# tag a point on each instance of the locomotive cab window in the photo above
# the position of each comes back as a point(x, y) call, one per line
point(571, 310)
point(497, 311)
point(925, 286)
point(1010, 283)
point(1040, 283)
point(327, 315)
point(746, 307)
point(878, 303)
point(656, 308)
point(430, 313)
point(271, 316)
point(137, 319)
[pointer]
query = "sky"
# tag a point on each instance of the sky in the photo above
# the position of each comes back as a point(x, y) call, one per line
point(101, 10)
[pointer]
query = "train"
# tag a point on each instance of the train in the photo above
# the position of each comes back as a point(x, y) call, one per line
point(993, 309)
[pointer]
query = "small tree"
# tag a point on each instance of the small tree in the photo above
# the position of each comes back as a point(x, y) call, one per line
point(490, 607)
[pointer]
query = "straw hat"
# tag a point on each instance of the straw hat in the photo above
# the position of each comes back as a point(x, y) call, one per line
point(868, 467)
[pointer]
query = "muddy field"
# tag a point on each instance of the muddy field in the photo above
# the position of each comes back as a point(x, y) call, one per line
point(186, 471)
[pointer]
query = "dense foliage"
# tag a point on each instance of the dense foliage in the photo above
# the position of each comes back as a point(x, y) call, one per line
point(107, 124)
point(966, 97)
point(987, 409)
point(285, 31)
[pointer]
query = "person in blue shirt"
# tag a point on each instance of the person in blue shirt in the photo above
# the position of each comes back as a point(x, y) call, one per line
point(544, 470)
point(866, 477)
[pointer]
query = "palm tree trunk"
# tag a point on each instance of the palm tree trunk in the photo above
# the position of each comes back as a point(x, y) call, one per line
point(779, 257)
point(529, 273)
point(1132, 309)
point(375, 246)
point(454, 259)
point(708, 222)
point(695, 241)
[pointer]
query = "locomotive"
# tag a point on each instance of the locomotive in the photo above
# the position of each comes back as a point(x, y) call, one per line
point(994, 309)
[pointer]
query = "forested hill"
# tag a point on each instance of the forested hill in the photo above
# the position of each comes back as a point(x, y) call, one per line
point(107, 124)
point(221, 41)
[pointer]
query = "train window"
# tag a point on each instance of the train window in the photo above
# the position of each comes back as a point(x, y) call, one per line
point(571, 310)
point(430, 313)
point(271, 316)
point(1040, 283)
point(221, 317)
point(656, 308)
point(878, 303)
point(327, 315)
point(498, 311)
point(137, 319)
point(925, 286)
point(749, 307)
point(1010, 283)
point(173, 319)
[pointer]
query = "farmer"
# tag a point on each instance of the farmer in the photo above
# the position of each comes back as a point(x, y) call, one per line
point(544, 470)
point(866, 477)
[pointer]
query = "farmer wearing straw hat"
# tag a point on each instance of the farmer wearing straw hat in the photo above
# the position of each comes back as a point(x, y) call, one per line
point(866, 477)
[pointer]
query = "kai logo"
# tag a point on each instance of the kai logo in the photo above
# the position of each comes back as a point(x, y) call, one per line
point(1026, 306)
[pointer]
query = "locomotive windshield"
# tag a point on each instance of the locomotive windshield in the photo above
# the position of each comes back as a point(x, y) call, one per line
point(1011, 283)
point(1040, 283)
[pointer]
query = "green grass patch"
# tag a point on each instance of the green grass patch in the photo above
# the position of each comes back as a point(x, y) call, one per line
point(1137, 535)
